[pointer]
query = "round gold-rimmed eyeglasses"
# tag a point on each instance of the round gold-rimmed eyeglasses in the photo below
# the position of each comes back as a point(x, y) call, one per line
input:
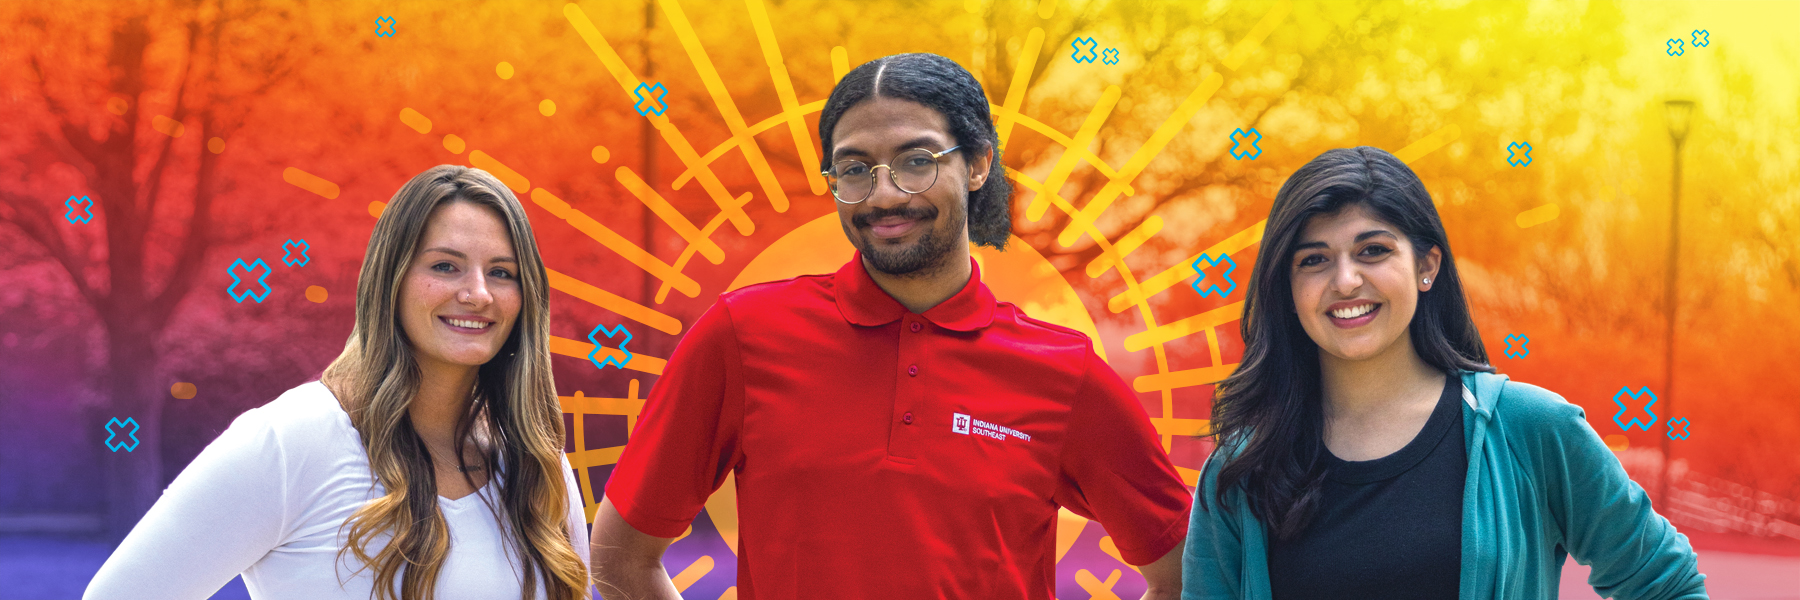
point(913, 171)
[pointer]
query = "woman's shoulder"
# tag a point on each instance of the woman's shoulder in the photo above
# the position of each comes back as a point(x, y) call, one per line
point(307, 416)
point(1517, 402)
point(1532, 419)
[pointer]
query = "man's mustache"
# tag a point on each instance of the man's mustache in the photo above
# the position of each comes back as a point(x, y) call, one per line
point(917, 213)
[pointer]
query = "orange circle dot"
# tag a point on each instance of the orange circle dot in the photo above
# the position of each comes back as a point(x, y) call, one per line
point(547, 107)
point(117, 106)
point(376, 207)
point(216, 145)
point(1617, 442)
point(504, 70)
point(183, 390)
point(316, 294)
point(601, 155)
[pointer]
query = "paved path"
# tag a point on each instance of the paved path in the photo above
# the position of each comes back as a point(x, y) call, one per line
point(37, 568)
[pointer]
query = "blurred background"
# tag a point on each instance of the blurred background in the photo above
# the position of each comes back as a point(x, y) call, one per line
point(1645, 239)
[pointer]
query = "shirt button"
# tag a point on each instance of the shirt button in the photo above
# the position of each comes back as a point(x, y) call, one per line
point(906, 418)
point(913, 370)
point(916, 327)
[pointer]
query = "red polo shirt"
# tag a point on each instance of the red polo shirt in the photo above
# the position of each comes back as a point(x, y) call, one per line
point(885, 454)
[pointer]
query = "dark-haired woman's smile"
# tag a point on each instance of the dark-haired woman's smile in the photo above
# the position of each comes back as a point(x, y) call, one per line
point(1350, 315)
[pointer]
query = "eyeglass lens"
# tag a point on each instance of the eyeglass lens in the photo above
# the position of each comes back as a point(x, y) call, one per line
point(914, 171)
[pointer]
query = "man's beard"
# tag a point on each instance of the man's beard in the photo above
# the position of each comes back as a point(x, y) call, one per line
point(925, 257)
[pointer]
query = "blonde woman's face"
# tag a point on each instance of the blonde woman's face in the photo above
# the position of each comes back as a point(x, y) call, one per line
point(461, 293)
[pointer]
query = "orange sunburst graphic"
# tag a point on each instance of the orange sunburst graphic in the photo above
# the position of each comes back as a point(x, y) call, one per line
point(1022, 275)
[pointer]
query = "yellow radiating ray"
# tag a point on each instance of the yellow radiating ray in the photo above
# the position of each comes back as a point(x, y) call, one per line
point(1046, 8)
point(582, 458)
point(688, 252)
point(730, 593)
point(715, 85)
point(1185, 427)
point(1130, 280)
point(1195, 324)
point(1428, 144)
point(617, 243)
point(1537, 216)
point(1181, 379)
point(1253, 40)
point(310, 182)
point(629, 406)
point(1184, 269)
point(671, 217)
point(721, 506)
point(784, 89)
point(609, 301)
point(1015, 91)
point(1084, 137)
point(1191, 477)
point(1125, 246)
point(1112, 549)
point(693, 573)
point(786, 116)
point(600, 233)
point(1068, 530)
point(840, 63)
point(416, 121)
point(1067, 143)
point(519, 183)
point(628, 81)
point(579, 349)
point(1078, 223)
point(1097, 589)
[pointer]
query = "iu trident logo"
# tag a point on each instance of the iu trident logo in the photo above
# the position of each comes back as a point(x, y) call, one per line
point(961, 424)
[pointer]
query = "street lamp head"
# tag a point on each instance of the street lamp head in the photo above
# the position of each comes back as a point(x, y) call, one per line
point(1678, 112)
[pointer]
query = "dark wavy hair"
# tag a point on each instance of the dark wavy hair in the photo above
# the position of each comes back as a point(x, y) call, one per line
point(946, 87)
point(1267, 415)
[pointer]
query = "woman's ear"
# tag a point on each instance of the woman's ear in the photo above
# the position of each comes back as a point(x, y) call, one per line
point(1428, 268)
point(978, 170)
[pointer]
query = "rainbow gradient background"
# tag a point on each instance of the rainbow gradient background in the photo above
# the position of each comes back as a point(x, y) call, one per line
point(206, 132)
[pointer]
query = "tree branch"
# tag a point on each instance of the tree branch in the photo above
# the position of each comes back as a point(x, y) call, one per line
point(39, 228)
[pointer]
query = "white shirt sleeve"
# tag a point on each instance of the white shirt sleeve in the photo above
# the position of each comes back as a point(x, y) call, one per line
point(578, 525)
point(225, 511)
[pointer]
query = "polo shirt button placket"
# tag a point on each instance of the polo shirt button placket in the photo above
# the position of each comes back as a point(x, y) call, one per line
point(907, 418)
point(912, 371)
point(916, 327)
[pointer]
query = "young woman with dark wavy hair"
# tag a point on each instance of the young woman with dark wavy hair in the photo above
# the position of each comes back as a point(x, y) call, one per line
point(425, 465)
point(1367, 449)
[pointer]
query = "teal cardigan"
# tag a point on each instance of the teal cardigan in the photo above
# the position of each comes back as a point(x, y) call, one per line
point(1541, 485)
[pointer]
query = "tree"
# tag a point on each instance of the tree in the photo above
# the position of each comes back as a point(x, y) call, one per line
point(153, 181)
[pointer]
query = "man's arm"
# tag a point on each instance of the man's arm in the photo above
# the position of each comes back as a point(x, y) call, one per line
point(1164, 575)
point(628, 563)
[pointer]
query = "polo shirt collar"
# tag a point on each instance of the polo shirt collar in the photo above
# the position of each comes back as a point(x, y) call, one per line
point(862, 302)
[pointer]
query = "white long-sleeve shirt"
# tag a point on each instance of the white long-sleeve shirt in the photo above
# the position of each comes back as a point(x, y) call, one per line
point(267, 500)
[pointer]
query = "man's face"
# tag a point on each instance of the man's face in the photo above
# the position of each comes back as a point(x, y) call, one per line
point(901, 233)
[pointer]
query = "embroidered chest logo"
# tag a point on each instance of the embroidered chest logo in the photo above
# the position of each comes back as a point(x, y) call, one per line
point(964, 424)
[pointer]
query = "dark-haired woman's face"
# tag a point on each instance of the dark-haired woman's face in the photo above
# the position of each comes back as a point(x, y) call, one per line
point(1356, 284)
point(461, 294)
point(901, 233)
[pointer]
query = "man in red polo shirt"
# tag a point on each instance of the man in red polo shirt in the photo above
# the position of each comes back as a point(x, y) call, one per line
point(895, 431)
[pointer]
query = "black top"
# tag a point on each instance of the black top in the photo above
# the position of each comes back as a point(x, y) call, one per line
point(1387, 528)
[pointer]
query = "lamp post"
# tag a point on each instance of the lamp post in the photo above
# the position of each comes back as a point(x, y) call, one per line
point(1678, 113)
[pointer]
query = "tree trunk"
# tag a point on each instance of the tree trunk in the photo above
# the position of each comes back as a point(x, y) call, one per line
point(133, 479)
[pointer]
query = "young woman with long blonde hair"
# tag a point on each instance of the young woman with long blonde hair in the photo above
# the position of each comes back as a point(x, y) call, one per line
point(426, 464)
